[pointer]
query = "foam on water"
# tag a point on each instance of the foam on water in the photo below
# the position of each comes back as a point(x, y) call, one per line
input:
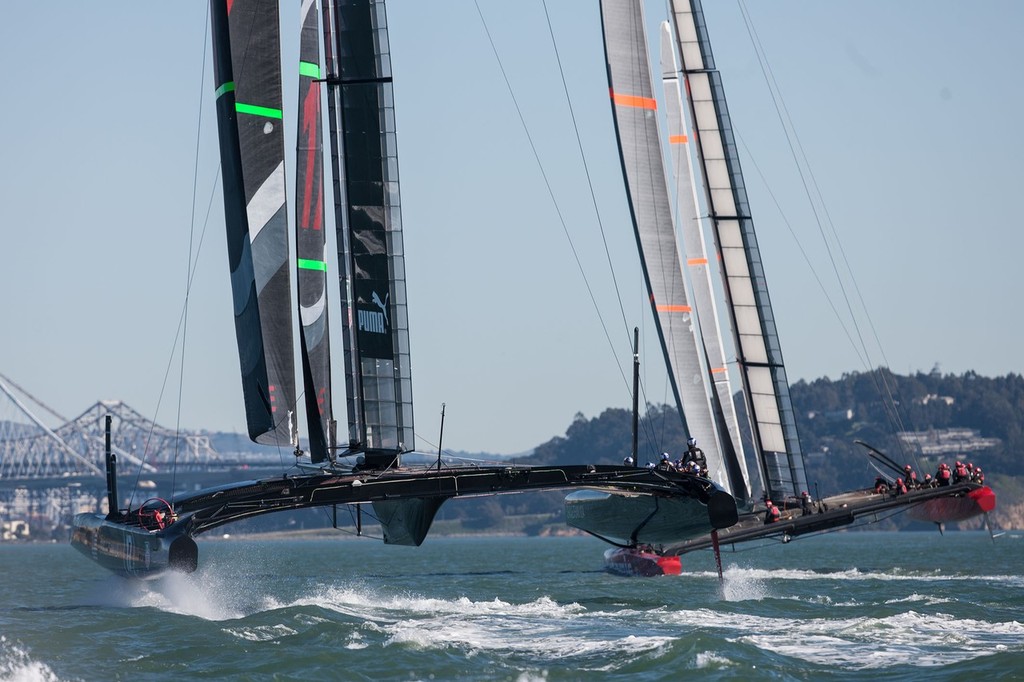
point(741, 585)
point(16, 665)
point(205, 594)
point(537, 627)
point(854, 574)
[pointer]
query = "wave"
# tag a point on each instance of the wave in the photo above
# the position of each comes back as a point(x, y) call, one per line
point(16, 665)
point(737, 573)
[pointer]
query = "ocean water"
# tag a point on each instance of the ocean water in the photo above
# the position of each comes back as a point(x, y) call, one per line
point(893, 606)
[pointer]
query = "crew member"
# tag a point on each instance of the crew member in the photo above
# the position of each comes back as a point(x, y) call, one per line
point(771, 514)
point(665, 464)
point(805, 504)
point(695, 454)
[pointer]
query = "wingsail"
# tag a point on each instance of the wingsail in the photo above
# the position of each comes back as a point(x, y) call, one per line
point(249, 114)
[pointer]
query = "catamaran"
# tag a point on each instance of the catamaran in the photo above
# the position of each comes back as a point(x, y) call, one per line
point(159, 534)
point(692, 326)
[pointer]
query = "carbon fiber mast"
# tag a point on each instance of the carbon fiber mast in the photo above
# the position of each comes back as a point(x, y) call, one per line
point(367, 208)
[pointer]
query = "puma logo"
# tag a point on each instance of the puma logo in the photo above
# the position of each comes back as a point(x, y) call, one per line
point(371, 320)
point(383, 305)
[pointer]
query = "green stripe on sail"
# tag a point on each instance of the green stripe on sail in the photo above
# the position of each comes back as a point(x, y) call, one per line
point(256, 110)
point(307, 264)
point(227, 87)
point(309, 69)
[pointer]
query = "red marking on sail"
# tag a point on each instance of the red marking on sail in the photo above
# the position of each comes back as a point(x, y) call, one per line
point(677, 139)
point(311, 215)
point(230, 3)
point(634, 101)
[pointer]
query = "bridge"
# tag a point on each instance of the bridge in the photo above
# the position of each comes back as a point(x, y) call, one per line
point(50, 472)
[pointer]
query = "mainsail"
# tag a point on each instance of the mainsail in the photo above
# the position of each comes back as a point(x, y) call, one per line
point(636, 124)
point(311, 243)
point(248, 86)
point(757, 343)
point(368, 218)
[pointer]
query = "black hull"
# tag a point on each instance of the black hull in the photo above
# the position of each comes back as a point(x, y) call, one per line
point(132, 551)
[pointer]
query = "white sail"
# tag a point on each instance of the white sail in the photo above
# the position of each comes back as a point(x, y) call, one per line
point(638, 131)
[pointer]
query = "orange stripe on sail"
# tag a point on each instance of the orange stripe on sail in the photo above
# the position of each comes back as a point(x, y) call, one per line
point(634, 101)
point(696, 261)
point(677, 139)
point(718, 370)
point(674, 309)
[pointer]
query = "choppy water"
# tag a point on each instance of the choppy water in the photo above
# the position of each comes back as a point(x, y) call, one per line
point(847, 605)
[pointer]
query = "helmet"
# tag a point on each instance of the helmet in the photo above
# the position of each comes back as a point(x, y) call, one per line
point(907, 468)
point(691, 442)
point(664, 457)
point(628, 460)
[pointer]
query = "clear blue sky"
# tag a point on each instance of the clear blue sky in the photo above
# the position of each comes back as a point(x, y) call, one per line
point(909, 113)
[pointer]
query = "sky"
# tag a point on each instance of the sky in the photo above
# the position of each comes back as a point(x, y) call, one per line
point(907, 113)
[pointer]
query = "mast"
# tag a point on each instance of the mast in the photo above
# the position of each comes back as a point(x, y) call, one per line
point(311, 243)
point(634, 111)
point(691, 228)
point(758, 352)
point(368, 218)
point(249, 117)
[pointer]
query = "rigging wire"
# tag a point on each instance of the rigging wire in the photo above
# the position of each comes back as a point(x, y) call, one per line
point(550, 190)
point(647, 425)
point(182, 327)
point(815, 199)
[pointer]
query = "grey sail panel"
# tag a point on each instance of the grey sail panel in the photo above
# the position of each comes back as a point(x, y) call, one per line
point(699, 270)
point(311, 241)
point(378, 378)
point(757, 344)
point(248, 87)
point(636, 124)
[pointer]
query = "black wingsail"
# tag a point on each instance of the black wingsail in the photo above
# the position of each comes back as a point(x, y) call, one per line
point(367, 205)
point(248, 83)
point(311, 243)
